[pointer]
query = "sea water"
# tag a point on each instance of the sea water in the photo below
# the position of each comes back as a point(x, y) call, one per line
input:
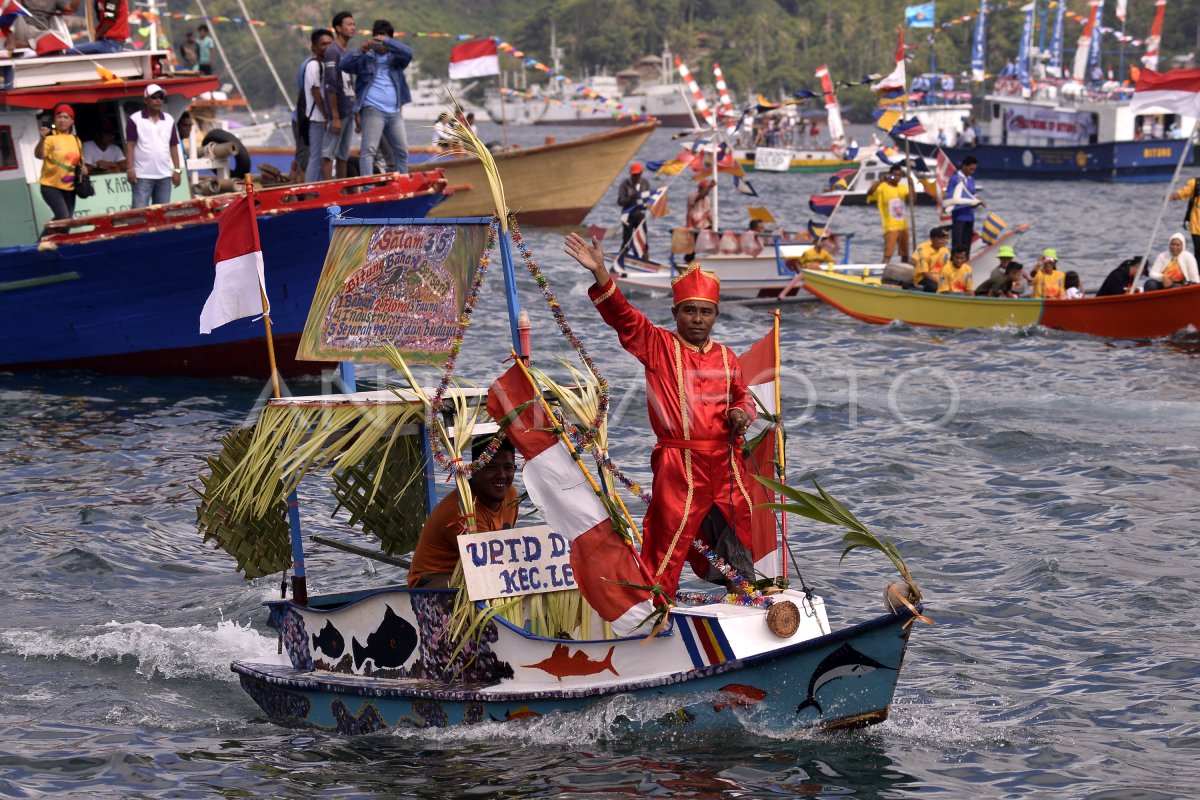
point(1042, 487)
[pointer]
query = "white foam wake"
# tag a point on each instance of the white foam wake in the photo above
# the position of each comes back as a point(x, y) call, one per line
point(155, 651)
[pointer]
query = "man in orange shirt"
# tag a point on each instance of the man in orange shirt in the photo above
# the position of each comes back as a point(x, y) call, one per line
point(496, 508)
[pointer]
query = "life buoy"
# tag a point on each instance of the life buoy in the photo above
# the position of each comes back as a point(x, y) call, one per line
point(241, 161)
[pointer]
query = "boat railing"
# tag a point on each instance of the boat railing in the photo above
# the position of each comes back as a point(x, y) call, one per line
point(29, 73)
point(270, 201)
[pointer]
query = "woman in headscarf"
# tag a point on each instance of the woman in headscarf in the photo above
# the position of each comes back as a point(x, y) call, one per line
point(60, 151)
point(1175, 267)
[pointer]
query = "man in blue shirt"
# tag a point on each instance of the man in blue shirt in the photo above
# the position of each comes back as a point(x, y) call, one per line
point(381, 91)
point(961, 199)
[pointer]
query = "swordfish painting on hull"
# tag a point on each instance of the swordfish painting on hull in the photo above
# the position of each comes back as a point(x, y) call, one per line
point(845, 662)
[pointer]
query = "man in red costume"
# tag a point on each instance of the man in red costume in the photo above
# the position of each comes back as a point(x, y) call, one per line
point(699, 407)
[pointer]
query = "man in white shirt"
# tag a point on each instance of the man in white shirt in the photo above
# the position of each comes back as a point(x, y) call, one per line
point(104, 155)
point(314, 102)
point(152, 151)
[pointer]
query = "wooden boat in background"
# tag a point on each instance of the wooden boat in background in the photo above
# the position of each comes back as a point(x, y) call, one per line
point(1131, 316)
point(552, 185)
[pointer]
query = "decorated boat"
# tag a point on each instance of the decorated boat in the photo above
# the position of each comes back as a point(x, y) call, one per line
point(848, 187)
point(538, 619)
point(118, 289)
point(1143, 315)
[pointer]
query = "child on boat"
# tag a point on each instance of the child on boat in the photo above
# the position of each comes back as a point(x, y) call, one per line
point(1074, 289)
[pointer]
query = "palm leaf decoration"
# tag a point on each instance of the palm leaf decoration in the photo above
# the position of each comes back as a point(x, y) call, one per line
point(823, 507)
point(463, 141)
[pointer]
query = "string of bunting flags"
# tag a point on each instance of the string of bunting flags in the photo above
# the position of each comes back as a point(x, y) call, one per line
point(1073, 16)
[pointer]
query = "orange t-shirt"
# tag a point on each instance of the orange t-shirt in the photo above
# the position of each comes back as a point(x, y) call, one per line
point(437, 549)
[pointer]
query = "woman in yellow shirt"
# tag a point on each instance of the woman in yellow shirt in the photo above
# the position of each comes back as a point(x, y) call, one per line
point(60, 151)
point(1049, 282)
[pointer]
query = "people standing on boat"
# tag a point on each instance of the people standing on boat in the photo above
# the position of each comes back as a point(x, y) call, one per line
point(962, 200)
point(204, 45)
point(382, 92)
point(891, 196)
point(1049, 283)
point(152, 151)
point(699, 408)
point(104, 155)
point(1173, 267)
point(442, 130)
point(931, 257)
point(339, 99)
point(956, 276)
point(315, 111)
point(112, 29)
point(189, 51)
point(1190, 192)
point(496, 507)
point(632, 195)
point(1073, 285)
point(1121, 279)
point(970, 136)
point(60, 151)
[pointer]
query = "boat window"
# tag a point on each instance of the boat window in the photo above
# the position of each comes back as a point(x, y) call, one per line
point(8, 153)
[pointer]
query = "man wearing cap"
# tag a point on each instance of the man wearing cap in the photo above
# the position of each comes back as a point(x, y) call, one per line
point(699, 406)
point(1007, 279)
point(631, 197)
point(152, 151)
point(1049, 282)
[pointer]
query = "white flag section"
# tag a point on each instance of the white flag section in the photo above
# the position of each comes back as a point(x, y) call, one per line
point(474, 60)
point(239, 289)
point(1177, 92)
point(558, 487)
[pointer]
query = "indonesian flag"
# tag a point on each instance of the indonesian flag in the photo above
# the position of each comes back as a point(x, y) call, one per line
point(760, 370)
point(557, 486)
point(474, 60)
point(896, 79)
point(239, 289)
point(945, 171)
point(1177, 91)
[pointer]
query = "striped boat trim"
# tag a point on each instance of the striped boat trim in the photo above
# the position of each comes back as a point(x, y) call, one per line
point(706, 643)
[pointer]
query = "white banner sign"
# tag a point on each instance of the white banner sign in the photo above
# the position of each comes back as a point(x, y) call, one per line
point(515, 562)
point(772, 159)
point(1046, 123)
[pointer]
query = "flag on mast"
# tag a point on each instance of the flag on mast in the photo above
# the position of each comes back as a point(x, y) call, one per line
point(239, 287)
point(896, 79)
point(474, 60)
point(760, 367)
point(1150, 58)
point(978, 43)
point(1176, 91)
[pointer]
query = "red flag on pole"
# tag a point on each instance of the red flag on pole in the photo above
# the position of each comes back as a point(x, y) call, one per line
point(239, 288)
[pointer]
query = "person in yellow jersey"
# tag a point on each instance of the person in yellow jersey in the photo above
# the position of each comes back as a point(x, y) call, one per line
point(931, 257)
point(890, 194)
point(956, 276)
point(1049, 282)
point(816, 257)
point(1191, 193)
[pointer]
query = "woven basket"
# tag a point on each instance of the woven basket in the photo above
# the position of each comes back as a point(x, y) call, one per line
point(783, 618)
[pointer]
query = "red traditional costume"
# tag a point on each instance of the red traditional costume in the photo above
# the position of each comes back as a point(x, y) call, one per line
point(697, 464)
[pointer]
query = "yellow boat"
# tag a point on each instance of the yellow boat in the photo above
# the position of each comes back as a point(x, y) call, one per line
point(883, 304)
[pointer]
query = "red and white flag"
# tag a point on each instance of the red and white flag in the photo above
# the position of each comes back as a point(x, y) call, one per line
point(896, 79)
point(239, 289)
point(474, 60)
point(1177, 92)
point(760, 370)
point(1154, 40)
point(945, 171)
point(570, 506)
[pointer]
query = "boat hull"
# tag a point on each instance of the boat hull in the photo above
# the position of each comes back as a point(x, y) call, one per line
point(551, 185)
point(801, 161)
point(130, 304)
point(1137, 316)
point(1150, 161)
point(841, 679)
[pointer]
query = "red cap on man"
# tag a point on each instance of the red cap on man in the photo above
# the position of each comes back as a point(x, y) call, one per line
point(635, 168)
point(696, 284)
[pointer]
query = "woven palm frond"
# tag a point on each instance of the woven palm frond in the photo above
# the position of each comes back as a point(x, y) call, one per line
point(385, 493)
point(260, 543)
